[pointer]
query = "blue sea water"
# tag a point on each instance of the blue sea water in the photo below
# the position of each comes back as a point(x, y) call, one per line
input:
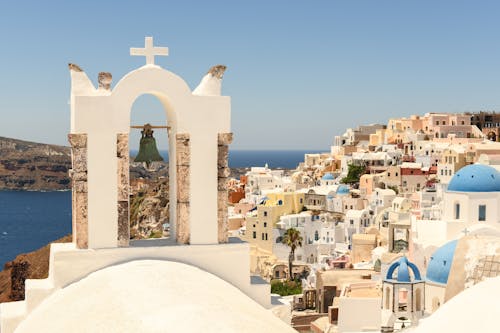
point(30, 220)
point(285, 159)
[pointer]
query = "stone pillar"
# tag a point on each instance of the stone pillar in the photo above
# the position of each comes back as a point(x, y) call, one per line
point(223, 172)
point(122, 153)
point(78, 175)
point(183, 158)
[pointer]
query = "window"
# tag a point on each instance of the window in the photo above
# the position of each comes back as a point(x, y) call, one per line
point(254, 234)
point(457, 211)
point(396, 174)
point(301, 201)
point(266, 235)
point(316, 235)
point(388, 174)
point(265, 213)
point(265, 224)
point(262, 236)
point(277, 274)
point(482, 213)
point(352, 222)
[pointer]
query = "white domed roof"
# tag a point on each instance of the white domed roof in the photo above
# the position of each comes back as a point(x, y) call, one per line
point(473, 310)
point(151, 296)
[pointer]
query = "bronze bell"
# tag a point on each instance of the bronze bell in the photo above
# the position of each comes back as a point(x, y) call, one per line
point(148, 152)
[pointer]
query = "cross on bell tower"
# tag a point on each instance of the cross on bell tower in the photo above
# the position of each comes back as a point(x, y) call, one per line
point(149, 51)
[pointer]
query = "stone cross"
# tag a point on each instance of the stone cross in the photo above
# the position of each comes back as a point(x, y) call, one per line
point(149, 51)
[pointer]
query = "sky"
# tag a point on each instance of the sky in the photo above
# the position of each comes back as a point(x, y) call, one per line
point(299, 72)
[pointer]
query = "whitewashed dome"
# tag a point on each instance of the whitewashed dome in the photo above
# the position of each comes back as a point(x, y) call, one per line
point(151, 296)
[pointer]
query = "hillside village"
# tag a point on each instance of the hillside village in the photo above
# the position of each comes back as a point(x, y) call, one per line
point(410, 195)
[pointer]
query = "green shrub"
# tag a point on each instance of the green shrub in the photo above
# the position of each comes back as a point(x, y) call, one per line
point(156, 234)
point(285, 288)
point(353, 174)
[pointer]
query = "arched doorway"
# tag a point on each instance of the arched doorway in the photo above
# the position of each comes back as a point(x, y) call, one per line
point(149, 182)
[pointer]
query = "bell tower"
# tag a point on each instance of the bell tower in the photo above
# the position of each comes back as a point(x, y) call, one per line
point(199, 131)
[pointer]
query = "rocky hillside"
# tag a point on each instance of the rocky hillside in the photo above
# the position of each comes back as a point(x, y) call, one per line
point(33, 265)
point(33, 166)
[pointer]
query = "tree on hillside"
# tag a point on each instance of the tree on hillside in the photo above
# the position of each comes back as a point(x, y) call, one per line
point(353, 174)
point(292, 239)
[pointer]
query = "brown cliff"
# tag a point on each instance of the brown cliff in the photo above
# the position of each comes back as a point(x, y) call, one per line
point(33, 166)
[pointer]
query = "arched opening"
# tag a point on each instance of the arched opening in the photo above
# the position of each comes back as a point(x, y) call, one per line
point(403, 299)
point(492, 136)
point(149, 179)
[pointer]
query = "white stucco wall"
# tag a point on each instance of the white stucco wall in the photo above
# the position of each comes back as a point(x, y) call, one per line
point(359, 314)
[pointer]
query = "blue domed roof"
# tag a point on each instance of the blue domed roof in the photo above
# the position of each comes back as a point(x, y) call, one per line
point(343, 189)
point(475, 178)
point(440, 263)
point(403, 266)
point(328, 176)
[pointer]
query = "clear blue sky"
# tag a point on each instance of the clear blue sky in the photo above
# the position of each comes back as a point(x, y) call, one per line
point(299, 72)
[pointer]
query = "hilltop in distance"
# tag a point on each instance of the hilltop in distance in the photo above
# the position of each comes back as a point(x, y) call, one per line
point(33, 166)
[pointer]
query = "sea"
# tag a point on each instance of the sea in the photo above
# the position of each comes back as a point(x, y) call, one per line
point(30, 220)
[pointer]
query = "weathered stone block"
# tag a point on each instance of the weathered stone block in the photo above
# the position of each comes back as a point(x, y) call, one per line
point(222, 184)
point(77, 140)
point(225, 138)
point(104, 80)
point(81, 220)
point(183, 152)
point(123, 179)
point(183, 183)
point(222, 156)
point(79, 176)
point(18, 275)
point(80, 186)
point(123, 223)
point(79, 159)
point(182, 228)
point(122, 145)
point(223, 172)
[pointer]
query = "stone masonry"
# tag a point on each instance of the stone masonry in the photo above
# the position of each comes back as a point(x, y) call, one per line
point(223, 172)
point(123, 206)
point(183, 157)
point(78, 175)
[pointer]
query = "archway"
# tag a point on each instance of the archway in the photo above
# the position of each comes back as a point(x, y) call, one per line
point(199, 139)
point(149, 181)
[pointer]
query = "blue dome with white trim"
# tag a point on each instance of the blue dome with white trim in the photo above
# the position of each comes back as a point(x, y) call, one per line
point(475, 178)
point(403, 274)
point(328, 176)
point(343, 189)
point(439, 266)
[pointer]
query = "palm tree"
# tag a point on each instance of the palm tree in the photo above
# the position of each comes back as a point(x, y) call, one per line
point(293, 239)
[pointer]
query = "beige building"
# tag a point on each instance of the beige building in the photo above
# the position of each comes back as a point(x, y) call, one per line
point(452, 160)
point(259, 226)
